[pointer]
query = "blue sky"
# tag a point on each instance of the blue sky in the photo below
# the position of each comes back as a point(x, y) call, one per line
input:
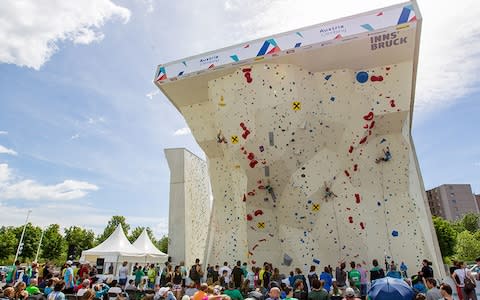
point(83, 128)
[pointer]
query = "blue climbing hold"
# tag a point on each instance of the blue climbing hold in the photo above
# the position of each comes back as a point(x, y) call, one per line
point(395, 233)
point(328, 77)
point(362, 77)
point(316, 261)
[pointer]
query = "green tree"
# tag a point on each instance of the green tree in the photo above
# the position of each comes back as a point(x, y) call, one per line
point(446, 236)
point(468, 246)
point(30, 240)
point(112, 224)
point(53, 244)
point(470, 222)
point(138, 230)
point(162, 244)
point(78, 239)
point(8, 242)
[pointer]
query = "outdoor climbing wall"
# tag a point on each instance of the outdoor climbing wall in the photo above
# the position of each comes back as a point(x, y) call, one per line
point(289, 134)
point(308, 140)
point(189, 210)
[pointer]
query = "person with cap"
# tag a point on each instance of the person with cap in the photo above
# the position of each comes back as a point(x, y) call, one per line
point(83, 287)
point(68, 278)
point(350, 294)
point(164, 293)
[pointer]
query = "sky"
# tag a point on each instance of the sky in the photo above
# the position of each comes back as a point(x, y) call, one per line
point(83, 128)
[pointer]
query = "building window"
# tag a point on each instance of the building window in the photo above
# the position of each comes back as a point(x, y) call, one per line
point(454, 201)
point(452, 194)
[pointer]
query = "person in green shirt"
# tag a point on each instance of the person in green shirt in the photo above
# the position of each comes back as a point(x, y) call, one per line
point(318, 292)
point(33, 289)
point(233, 293)
point(354, 275)
point(151, 273)
point(138, 276)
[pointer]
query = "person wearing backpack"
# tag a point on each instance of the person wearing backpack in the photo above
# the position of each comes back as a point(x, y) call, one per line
point(311, 276)
point(196, 273)
point(464, 279)
point(376, 272)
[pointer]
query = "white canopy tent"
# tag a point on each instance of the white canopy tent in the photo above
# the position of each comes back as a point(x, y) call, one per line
point(148, 249)
point(114, 250)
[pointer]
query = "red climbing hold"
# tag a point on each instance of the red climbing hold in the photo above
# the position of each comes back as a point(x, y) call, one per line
point(346, 173)
point(376, 78)
point(355, 167)
point(372, 124)
point(253, 163)
point(255, 247)
point(252, 193)
point(254, 261)
point(363, 140)
point(251, 156)
point(242, 125)
point(249, 217)
point(357, 198)
point(365, 126)
point(392, 103)
point(261, 187)
point(262, 240)
point(246, 70)
point(245, 134)
point(362, 225)
point(350, 150)
point(368, 117)
point(350, 219)
point(258, 212)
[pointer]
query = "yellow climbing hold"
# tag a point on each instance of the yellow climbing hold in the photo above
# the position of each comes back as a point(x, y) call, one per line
point(234, 139)
point(222, 101)
point(315, 206)
point(261, 225)
point(296, 105)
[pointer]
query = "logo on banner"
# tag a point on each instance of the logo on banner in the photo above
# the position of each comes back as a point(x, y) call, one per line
point(333, 30)
point(386, 40)
point(209, 60)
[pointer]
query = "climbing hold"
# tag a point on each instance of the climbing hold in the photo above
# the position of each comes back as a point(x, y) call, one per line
point(355, 167)
point(261, 148)
point(394, 233)
point(251, 156)
point(332, 98)
point(362, 77)
point(376, 78)
point(249, 217)
point(350, 219)
point(365, 126)
point(244, 197)
point(261, 225)
point(392, 103)
point(363, 140)
point(221, 103)
point(258, 212)
point(362, 225)
point(316, 261)
point(270, 138)
point(315, 207)
point(357, 198)
point(234, 139)
point(253, 163)
point(296, 105)
point(372, 124)
point(383, 141)
point(327, 77)
point(267, 171)
point(368, 117)
point(287, 260)
point(350, 150)
point(245, 134)
point(347, 173)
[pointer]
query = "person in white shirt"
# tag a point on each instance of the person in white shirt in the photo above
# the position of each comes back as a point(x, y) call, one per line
point(229, 272)
point(83, 288)
point(123, 274)
point(459, 279)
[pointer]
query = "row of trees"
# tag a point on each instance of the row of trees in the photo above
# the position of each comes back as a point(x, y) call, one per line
point(459, 240)
point(57, 246)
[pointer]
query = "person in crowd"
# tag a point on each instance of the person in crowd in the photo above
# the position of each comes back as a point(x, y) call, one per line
point(237, 275)
point(363, 280)
point(335, 292)
point(341, 276)
point(131, 285)
point(246, 287)
point(393, 272)
point(326, 277)
point(68, 277)
point(123, 274)
point(201, 293)
point(223, 280)
point(20, 292)
point(9, 293)
point(299, 290)
point(100, 290)
point(89, 294)
point(300, 276)
point(196, 273)
point(418, 285)
point(151, 274)
point(177, 280)
point(232, 292)
point(350, 294)
point(446, 291)
point(139, 274)
point(267, 277)
point(460, 276)
point(32, 288)
point(376, 272)
point(85, 286)
point(354, 276)
point(225, 267)
point(57, 293)
point(114, 288)
point(433, 292)
point(317, 291)
point(191, 289)
point(426, 271)
point(274, 294)
point(164, 293)
point(251, 277)
point(312, 274)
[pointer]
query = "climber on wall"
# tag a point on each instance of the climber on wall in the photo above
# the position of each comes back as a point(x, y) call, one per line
point(221, 138)
point(327, 194)
point(386, 156)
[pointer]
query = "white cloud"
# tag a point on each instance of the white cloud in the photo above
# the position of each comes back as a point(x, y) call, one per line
point(75, 136)
point(182, 131)
point(152, 93)
point(5, 150)
point(27, 189)
point(31, 30)
point(93, 120)
point(3, 132)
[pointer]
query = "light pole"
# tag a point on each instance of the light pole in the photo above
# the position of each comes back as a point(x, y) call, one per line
point(39, 244)
point(20, 245)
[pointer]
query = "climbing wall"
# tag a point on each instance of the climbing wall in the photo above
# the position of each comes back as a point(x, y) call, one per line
point(189, 214)
point(296, 161)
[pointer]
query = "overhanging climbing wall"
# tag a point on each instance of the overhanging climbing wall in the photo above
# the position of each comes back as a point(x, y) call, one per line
point(308, 143)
